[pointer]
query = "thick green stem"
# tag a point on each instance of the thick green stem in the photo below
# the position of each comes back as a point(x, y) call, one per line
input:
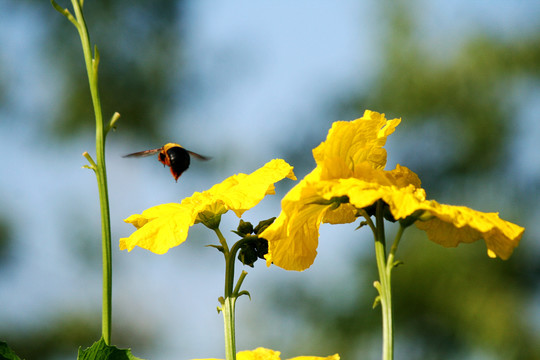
point(101, 172)
point(384, 285)
point(228, 319)
point(229, 298)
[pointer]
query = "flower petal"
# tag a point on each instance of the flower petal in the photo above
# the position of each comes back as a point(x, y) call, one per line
point(353, 142)
point(293, 238)
point(331, 357)
point(450, 225)
point(242, 192)
point(166, 226)
point(258, 354)
point(453, 225)
point(267, 354)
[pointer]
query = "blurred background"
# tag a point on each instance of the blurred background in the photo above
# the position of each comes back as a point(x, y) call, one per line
point(245, 82)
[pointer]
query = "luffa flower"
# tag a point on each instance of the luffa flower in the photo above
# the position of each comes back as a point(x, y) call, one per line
point(350, 177)
point(165, 226)
point(267, 354)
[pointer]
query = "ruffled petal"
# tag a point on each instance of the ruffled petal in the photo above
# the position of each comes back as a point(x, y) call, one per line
point(166, 226)
point(242, 192)
point(293, 236)
point(353, 142)
point(331, 357)
point(453, 225)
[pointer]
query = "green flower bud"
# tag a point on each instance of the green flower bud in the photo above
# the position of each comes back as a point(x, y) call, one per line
point(247, 255)
point(244, 228)
point(263, 225)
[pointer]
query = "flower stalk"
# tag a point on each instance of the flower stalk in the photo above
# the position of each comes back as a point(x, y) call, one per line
point(227, 308)
point(383, 286)
point(385, 265)
point(228, 301)
point(92, 62)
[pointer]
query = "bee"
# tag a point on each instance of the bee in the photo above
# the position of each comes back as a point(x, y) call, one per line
point(173, 156)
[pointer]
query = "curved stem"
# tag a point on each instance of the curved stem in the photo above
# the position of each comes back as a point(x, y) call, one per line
point(384, 288)
point(241, 278)
point(369, 222)
point(393, 249)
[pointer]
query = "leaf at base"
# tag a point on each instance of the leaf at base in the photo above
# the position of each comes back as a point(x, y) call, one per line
point(101, 351)
point(6, 353)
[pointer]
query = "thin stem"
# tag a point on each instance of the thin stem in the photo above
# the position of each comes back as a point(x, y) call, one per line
point(369, 222)
point(241, 278)
point(101, 172)
point(391, 256)
point(222, 241)
point(384, 286)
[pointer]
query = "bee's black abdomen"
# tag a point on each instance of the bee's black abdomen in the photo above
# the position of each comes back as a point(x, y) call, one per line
point(179, 159)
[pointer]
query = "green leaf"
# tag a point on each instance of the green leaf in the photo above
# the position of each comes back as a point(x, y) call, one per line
point(101, 351)
point(65, 12)
point(376, 302)
point(6, 353)
point(219, 247)
point(244, 292)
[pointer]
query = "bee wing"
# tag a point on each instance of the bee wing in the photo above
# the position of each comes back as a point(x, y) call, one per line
point(144, 153)
point(198, 156)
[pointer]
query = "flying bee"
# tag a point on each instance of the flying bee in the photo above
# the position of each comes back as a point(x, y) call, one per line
point(173, 156)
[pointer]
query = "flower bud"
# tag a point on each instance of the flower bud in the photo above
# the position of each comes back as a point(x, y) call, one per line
point(244, 228)
point(263, 225)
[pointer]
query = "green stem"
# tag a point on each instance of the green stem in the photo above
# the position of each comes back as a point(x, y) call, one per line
point(100, 168)
point(229, 264)
point(393, 249)
point(228, 318)
point(229, 298)
point(241, 278)
point(384, 285)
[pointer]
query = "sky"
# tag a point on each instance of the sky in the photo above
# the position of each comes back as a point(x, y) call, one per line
point(264, 70)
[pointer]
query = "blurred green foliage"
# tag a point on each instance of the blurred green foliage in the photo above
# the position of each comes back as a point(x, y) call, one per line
point(64, 333)
point(139, 46)
point(472, 93)
point(5, 240)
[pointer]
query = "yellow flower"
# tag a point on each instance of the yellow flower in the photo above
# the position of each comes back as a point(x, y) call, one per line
point(350, 176)
point(165, 226)
point(267, 354)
